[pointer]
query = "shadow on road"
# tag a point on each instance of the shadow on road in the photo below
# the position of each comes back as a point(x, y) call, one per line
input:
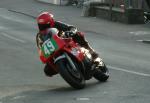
point(56, 94)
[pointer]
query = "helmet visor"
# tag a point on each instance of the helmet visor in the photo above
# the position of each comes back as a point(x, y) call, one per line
point(43, 26)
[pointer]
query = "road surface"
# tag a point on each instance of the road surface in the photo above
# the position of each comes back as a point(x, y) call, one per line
point(21, 73)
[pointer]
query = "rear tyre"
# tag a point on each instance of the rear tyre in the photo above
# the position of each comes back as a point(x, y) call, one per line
point(102, 73)
point(74, 77)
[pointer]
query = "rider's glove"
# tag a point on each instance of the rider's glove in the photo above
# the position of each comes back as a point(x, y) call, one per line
point(69, 34)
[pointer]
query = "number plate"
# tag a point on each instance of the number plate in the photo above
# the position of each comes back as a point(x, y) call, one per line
point(48, 47)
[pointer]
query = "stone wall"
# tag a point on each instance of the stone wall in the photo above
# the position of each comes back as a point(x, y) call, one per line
point(128, 16)
point(56, 2)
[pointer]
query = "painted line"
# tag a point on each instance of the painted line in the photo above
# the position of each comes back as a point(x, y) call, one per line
point(129, 71)
point(13, 38)
point(83, 99)
point(140, 40)
point(144, 41)
point(18, 97)
point(138, 33)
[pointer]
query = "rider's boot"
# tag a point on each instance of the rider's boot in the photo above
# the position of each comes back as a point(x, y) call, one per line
point(91, 50)
point(49, 71)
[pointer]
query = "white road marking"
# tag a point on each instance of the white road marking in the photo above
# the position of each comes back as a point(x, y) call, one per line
point(13, 38)
point(137, 33)
point(129, 71)
point(17, 97)
point(140, 40)
point(83, 99)
point(146, 41)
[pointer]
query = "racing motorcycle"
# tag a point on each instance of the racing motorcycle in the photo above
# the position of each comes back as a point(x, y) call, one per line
point(73, 62)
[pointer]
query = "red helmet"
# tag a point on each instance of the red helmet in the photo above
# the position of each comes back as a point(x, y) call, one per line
point(45, 20)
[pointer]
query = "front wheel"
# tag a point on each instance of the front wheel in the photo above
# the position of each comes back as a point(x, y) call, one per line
point(102, 73)
point(71, 73)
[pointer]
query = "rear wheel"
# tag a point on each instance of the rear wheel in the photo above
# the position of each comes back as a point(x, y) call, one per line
point(71, 73)
point(102, 73)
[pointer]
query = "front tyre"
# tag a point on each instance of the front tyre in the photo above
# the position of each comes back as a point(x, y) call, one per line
point(102, 73)
point(71, 74)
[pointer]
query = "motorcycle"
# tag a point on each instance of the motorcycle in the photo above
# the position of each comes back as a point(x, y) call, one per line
point(73, 62)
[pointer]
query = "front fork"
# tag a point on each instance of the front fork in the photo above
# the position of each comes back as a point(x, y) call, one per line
point(65, 55)
point(70, 61)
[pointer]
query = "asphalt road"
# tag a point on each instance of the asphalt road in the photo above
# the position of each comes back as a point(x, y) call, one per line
point(21, 73)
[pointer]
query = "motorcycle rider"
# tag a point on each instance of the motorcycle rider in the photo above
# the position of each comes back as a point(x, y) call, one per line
point(46, 21)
